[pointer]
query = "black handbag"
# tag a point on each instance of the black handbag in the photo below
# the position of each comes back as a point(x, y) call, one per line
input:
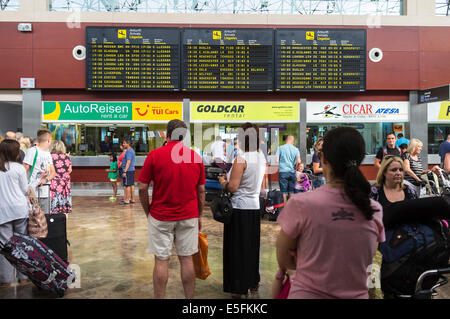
point(221, 206)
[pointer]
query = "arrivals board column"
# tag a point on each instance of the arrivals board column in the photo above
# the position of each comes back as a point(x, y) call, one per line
point(132, 58)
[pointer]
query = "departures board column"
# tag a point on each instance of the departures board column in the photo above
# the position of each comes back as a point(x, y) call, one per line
point(320, 59)
point(228, 59)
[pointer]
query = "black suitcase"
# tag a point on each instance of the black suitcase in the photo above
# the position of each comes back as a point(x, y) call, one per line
point(57, 235)
point(274, 204)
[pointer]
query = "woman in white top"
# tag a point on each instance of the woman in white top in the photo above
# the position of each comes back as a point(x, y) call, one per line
point(241, 239)
point(13, 204)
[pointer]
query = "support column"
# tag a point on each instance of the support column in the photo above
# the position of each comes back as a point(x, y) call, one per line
point(31, 111)
point(418, 123)
point(187, 120)
point(302, 131)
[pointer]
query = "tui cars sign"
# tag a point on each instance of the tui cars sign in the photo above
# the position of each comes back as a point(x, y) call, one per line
point(356, 112)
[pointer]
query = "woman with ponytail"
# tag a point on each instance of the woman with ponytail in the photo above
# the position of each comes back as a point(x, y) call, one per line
point(330, 235)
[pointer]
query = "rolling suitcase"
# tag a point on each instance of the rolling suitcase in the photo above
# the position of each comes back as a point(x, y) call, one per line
point(57, 235)
point(42, 266)
point(274, 203)
point(57, 229)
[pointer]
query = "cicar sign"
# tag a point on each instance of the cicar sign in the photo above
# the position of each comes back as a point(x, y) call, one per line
point(356, 112)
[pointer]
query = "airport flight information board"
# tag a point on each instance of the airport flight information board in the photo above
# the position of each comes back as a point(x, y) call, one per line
point(227, 59)
point(320, 60)
point(124, 58)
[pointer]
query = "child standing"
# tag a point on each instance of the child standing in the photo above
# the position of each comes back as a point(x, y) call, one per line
point(301, 180)
point(113, 174)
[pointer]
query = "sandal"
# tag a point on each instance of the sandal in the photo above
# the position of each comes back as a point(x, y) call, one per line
point(124, 203)
point(23, 281)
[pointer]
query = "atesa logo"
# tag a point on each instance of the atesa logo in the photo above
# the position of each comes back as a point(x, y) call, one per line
point(382, 110)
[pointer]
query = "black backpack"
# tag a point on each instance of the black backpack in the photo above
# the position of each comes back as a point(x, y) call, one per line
point(409, 250)
point(274, 204)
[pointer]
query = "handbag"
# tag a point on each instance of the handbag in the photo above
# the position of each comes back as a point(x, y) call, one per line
point(37, 223)
point(221, 206)
point(286, 287)
point(201, 258)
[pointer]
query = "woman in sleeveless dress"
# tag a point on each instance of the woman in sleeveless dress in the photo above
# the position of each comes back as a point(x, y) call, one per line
point(60, 188)
point(241, 240)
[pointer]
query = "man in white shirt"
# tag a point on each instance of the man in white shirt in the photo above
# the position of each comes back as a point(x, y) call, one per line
point(40, 170)
point(218, 153)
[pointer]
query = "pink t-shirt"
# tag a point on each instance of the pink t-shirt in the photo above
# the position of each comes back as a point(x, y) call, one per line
point(335, 244)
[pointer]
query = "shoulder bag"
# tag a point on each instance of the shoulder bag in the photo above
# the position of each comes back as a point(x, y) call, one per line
point(221, 206)
point(37, 223)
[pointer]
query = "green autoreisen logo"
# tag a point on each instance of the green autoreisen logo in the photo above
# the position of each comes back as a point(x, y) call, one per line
point(87, 111)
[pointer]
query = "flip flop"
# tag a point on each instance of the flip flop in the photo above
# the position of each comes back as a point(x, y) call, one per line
point(123, 203)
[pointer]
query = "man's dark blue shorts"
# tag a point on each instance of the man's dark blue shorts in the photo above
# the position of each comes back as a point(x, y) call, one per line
point(287, 182)
point(129, 180)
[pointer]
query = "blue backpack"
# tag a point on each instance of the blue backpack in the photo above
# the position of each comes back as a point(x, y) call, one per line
point(410, 250)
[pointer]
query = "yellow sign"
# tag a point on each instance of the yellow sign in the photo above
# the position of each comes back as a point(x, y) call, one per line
point(122, 34)
point(444, 113)
point(217, 35)
point(309, 35)
point(157, 111)
point(241, 112)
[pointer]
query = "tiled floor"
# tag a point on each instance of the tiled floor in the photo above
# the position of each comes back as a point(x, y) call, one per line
point(109, 244)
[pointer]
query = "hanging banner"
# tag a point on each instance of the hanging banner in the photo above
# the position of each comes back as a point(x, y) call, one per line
point(241, 112)
point(356, 112)
point(439, 112)
point(111, 112)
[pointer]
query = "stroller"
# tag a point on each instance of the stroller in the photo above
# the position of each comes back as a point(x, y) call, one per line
point(421, 292)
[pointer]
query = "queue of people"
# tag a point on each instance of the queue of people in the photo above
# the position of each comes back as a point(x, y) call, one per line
point(328, 236)
point(30, 167)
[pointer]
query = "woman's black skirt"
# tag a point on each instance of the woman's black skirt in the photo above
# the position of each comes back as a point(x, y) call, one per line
point(241, 240)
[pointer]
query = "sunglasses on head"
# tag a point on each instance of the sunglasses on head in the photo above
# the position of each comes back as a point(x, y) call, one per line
point(391, 156)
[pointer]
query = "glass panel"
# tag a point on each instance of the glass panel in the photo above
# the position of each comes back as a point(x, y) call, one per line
point(442, 7)
point(275, 134)
point(96, 139)
point(316, 7)
point(374, 134)
point(9, 5)
point(437, 133)
point(66, 133)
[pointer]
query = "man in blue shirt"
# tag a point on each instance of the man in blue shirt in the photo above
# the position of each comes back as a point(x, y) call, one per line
point(444, 148)
point(401, 140)
point(128, 172)
point(287, 156)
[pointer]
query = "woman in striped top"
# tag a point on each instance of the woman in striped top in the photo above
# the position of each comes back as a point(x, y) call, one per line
point(413, 162)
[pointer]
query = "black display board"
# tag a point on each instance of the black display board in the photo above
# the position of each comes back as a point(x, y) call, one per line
point(320, 59)
point(227, 59)
point(124, 58)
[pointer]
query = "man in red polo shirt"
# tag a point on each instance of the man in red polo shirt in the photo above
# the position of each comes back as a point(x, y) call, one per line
point(178, 198)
